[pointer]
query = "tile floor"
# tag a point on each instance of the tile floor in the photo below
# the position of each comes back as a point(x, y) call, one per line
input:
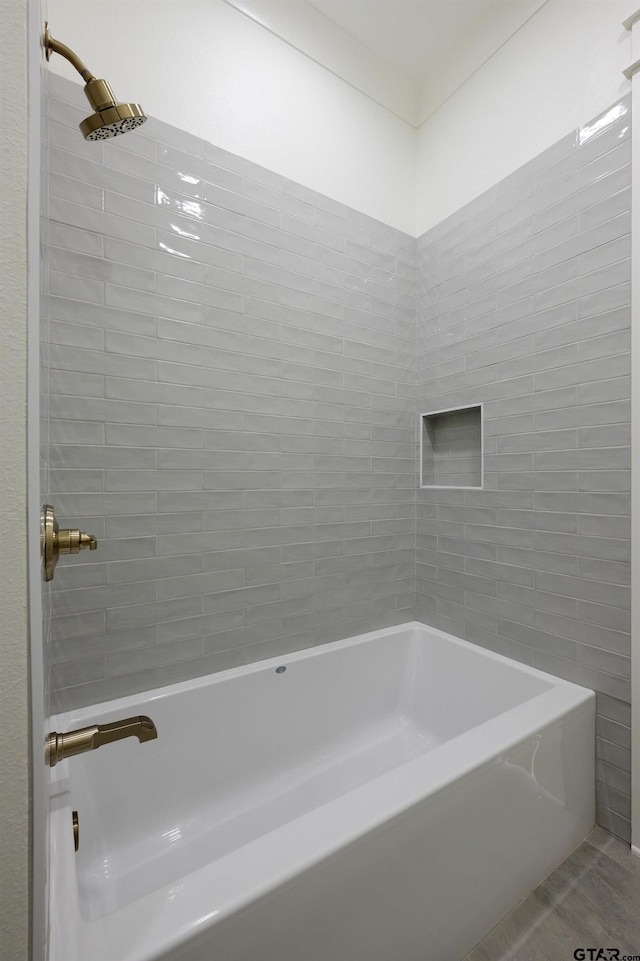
point(591, 900)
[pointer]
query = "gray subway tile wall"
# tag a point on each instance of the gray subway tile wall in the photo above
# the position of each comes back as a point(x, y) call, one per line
point(524, 306)
point(232, 399)
point(237, 371)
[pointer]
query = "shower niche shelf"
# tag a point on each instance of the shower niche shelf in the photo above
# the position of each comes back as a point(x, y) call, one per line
point(451, 448)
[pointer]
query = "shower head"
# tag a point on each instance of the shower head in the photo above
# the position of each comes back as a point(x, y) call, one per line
point(110, 117)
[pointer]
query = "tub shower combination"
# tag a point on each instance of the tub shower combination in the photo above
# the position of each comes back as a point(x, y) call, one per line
point(388, 796)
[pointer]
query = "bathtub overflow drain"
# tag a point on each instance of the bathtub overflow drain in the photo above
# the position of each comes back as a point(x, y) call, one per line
point(280, 670)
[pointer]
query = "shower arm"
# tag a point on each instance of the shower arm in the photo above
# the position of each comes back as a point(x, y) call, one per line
point(54, 46)
point(110, 117)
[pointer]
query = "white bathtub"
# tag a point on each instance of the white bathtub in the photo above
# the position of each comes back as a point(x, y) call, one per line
point(385, 798)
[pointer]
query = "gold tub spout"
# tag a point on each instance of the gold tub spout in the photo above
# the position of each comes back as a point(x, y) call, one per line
point(60, 746)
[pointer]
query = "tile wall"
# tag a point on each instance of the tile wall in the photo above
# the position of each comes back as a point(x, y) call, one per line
point(234, 414)
point(232, 411)
point(524, 307)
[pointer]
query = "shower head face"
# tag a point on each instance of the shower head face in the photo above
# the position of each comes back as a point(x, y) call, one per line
point(112, 121)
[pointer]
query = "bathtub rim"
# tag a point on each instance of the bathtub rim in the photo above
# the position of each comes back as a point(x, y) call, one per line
point(87, 714)
point(303, 842)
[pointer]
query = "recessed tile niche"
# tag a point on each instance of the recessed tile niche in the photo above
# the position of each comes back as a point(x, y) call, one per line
point(451, 448)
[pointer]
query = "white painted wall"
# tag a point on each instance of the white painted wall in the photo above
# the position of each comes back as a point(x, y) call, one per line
point(14, 777)
point(561, 69)
point(489, 32)
point(205, 67)
point(299, 24)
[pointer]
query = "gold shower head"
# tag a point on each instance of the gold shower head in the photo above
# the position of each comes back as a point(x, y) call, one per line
point(110, 117)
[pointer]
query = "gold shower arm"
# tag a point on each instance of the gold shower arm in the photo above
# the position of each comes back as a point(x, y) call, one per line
point(54, 46)
point(110, 117)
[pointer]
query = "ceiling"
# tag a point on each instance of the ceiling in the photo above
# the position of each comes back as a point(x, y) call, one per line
point(411, 35)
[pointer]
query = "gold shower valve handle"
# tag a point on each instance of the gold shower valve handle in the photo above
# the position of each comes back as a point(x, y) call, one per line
point(54, 542)
point(73, 541)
